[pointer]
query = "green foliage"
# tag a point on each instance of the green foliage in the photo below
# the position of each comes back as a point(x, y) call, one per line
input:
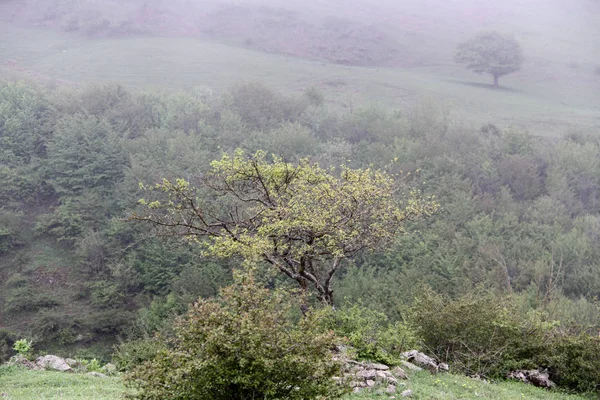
point(243, 345)
point(491, 53)
point(23, 347)
point(132, 353)
point(491, 335)
point(300, 218)
point(92, 365)
point(371, 334)
point(479, 333)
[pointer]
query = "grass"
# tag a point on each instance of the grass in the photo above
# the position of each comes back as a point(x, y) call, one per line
point(547, 101)
point(448, 387)
point(20, 384)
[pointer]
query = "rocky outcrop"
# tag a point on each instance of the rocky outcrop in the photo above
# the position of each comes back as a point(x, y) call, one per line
point(53, 362)
point(422, 360)
point(365, 375)
point(536, 377)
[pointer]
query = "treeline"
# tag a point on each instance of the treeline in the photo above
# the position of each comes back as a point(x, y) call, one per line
point(520, 214)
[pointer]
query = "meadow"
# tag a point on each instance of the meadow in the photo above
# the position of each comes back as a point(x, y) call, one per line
point(545, 99)
point(18, 384)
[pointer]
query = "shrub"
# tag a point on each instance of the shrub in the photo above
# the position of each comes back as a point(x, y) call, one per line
point(243, 345)
point(481, 333)
point(23, 347)
point(371, 334)
point(7, 340)
point(133, 353)
point(490, 335)
point(574, 362)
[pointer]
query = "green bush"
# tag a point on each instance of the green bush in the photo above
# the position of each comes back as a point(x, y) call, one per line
point(491, 335)
point(243, 345)
point(23, 347)
point(26, 298)
point(574, 362)
point(480, 333)
point(7, 340)
point(133, 353)
point(371, 335)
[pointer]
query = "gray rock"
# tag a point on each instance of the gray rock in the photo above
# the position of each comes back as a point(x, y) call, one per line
point(407, 393)
point(71, 362)
point(540, 378)
point(421, 359)
point(391, 389)
point(378, 367)
point(411, 366)
point(443, 367)
point(367, 374)
point(400, 373)
point(53, 362)
point(370, 383)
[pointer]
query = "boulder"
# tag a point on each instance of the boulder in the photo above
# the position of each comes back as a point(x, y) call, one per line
point(378, 367)
point(536, 377)
point(422, 360)
point(53, 362)
point(411, 366)
point(407, 393)
point(400, 373)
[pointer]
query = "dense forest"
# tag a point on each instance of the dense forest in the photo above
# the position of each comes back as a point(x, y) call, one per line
point(518, 223)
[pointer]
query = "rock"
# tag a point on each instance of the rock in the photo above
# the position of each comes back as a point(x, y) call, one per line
point(367, 374)
point(97, 374)
point(378, 367)
point(370, 383)
point(540, 378)
point(421, 359)
point(518, 375)
point(72, 363)
point(411, 366)
point(382, 374)
point(391, 380)
point(536, 377)
point(443, 367)
point(400, 373)
point(53, 362)
point(21, 360)
point(407, 393)
point(391, 389)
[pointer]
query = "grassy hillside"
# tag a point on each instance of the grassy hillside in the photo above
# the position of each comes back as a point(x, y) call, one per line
point(16, 384)
point(547, 98)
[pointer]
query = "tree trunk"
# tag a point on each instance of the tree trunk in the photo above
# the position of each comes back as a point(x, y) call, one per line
point(496, 81)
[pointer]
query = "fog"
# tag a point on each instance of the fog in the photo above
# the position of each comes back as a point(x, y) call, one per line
point(332, 44)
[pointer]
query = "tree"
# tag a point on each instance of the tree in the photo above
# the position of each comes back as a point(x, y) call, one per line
point(299, 218)
point(243, 345)
point(491, 53)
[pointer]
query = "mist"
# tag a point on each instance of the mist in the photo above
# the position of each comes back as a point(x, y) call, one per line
point(425, 173)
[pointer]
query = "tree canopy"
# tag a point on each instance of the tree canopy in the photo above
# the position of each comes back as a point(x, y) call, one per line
point(300, 218)
point(490, 53)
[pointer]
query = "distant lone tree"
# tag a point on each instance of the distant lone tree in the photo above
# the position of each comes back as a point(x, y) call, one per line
point(491, 53)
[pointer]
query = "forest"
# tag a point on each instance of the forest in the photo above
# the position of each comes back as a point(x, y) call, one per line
point(264, 199)
point(516, 230)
